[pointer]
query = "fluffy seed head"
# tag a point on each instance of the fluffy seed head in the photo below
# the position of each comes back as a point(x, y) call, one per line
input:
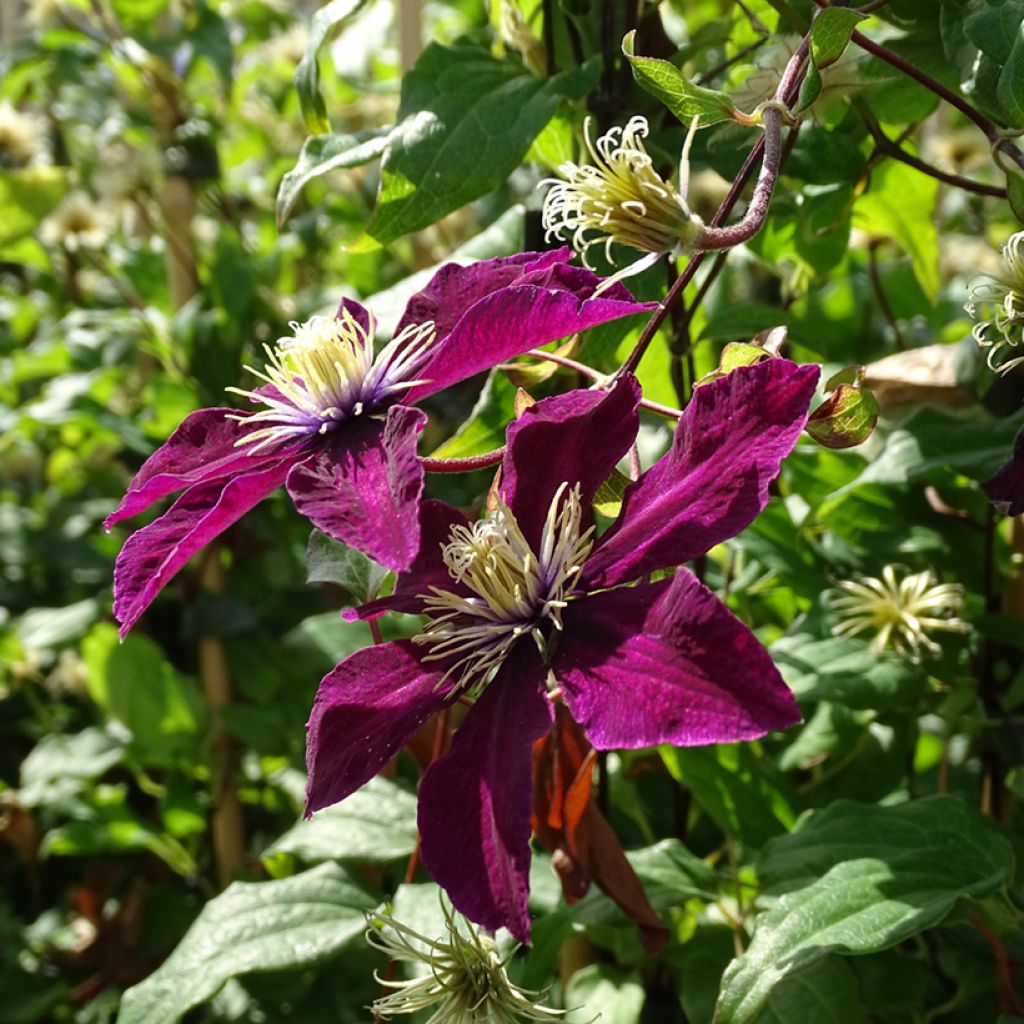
point(515, 590)
point(462, 977)
point(621, 198)
point(900, 612)
point(326, 374)
point(999, 299)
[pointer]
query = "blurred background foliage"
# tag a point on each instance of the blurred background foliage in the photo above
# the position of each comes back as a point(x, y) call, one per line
point(164, 214)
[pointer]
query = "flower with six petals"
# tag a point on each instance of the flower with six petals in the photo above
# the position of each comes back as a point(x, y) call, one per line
point(526, 606)
point(337, 425)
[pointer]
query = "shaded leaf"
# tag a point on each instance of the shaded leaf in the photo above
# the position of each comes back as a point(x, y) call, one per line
point(830, 34)
point(252, 926)
point(330, 561)
point(845, 419)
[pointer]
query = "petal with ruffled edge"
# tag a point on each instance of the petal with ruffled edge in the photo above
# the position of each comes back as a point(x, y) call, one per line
point(577, 437)
point(437, 518)
point(202, 449)
point(667, 663)
point(475, 803)
point(364, 487)
point(1005, 489)
point(152, 555)
point(714, 480)
point(512, 320)
point(365, 710)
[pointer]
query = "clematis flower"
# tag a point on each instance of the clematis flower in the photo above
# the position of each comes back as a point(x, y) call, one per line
point(526, 603)
point(620, 198)
point(1005, 489)
point(338, 427)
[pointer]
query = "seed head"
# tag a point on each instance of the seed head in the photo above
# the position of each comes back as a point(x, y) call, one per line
point(999, 299)
point(463, 979)
point(900, 612)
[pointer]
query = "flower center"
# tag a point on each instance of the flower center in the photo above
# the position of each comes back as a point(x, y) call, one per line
point(514, 590)
point(326, 374)
point(1000, 300)
point(620, 196)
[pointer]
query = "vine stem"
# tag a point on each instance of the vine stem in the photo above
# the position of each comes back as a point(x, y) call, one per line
point(466, 465)
point(785, 93)
point(596, 375)
point(991, 130)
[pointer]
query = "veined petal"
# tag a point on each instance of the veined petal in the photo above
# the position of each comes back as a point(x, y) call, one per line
point(202, 449)
point(363, 487)
point(714, 480)
point(512, 320)
point(474, 810)
point(576, 437)
point(437, 518)
point(667, 663)
point(454, 288)
point(357, 311)
point(152, 555)
point(365, 710)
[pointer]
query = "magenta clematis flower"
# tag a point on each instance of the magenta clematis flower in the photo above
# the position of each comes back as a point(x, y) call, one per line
point(526, 604)
point(337, 426)
point(1005, 489)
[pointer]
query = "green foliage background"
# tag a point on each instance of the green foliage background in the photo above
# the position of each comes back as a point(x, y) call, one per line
point(239, 170)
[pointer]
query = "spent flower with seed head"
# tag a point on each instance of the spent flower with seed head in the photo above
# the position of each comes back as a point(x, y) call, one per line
point(999, 300)
point(900, 612)
point(462, 978)
point(620, 197)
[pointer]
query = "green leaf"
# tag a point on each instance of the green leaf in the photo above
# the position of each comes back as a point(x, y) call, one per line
point(608, 497)
point(466, 120)
point(859, 879)
point(330, 561)
point(58, 767)
point(826, 993)
point(252, 926)
point(377, 823)
point(1015, 193)
point(734, 787)
point(485, 429)
point(900, 204)
point(599, 990)
point(323, 153)
point(138, 15)
point(1010, 90)
point(845, 419)
point(307, 74)
point(50, 627)
point(26, 197)
point(134, 683)
point(667, 83)
point(830, 34)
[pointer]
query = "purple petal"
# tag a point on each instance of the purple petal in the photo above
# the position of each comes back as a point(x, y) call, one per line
point(202, 449)
point(427, 569)
point(365, 710)
point(357, 311)
point(454, 288)
point(152, 555)
point(363, 488)
point(512, 320)
point(475, 803)
point(667, 663)
point(570, 438)
point(1006, 488)
point(714, 480)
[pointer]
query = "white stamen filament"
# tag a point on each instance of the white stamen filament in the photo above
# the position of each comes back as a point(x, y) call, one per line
point(1000, 300)
point(327, 373)
point(515, 591)
point(620, 196)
